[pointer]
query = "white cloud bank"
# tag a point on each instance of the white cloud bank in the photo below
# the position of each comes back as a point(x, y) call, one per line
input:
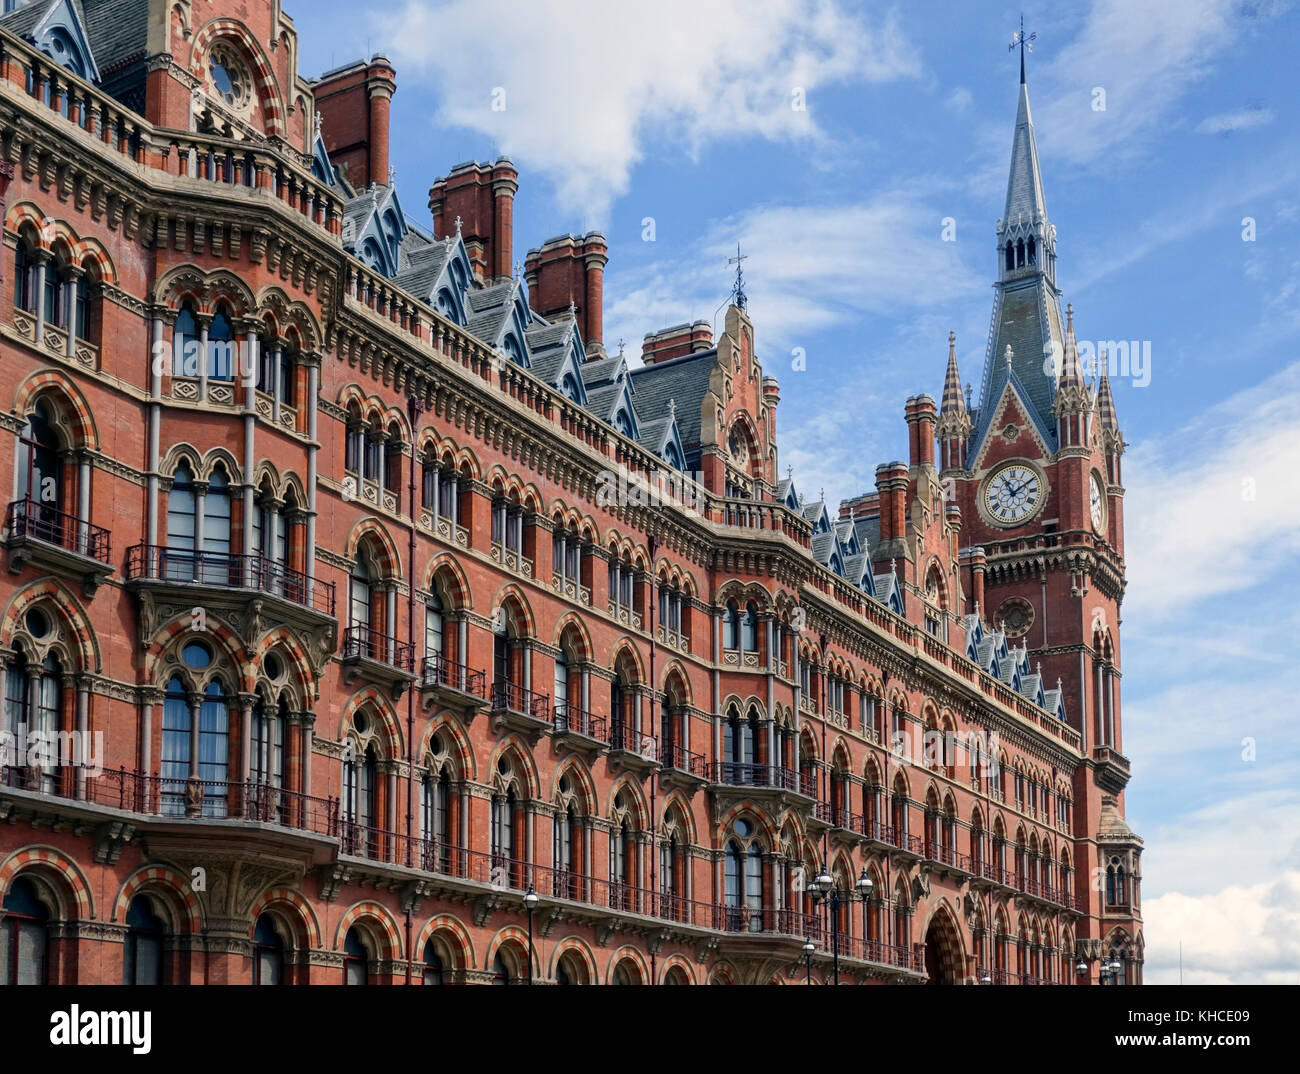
point(587, 84)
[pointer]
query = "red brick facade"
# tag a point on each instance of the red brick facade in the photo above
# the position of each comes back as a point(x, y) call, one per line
point(309, 776)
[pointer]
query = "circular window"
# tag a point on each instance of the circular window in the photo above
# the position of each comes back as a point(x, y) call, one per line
point(361, 722)
point(228, 77)
point(196, 655)
point(1016, 616)
point(272, 666)
point(744, 827)
point(38, 625)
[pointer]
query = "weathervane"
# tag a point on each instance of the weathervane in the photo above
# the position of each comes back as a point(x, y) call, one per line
point(738, 289)
point(1026, 43)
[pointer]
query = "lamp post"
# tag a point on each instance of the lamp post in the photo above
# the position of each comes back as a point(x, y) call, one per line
point(531, 899)
point(808, 948)
point(822, 886)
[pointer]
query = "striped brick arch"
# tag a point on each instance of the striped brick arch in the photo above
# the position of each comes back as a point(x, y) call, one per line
point(379, 547)
point(371, 912)
point(292, 905)
point(52, 863)
point(171, 881)
point(224, 640)
point(72, 620)
point(945, 960)
point(510, 936)
point(268, 90)
point(454, 938)
point(67, 400)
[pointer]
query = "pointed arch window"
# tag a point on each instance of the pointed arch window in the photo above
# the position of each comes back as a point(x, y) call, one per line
point(40, 473)
point(731, 626)
point(176, 734)
point(221, 362)
point(181, 506)
point(216, 527)
point(185, 343)
point(267, 754)
point(25, 263)
point(744, 887)
point(214, 749)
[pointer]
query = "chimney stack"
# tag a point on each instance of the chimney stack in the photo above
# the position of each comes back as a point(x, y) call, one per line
point(975, 559)
point(891, 486)
point(482, 198)
point(354, 102)
point(922, 415)
point(569, 270)
point(676, 341)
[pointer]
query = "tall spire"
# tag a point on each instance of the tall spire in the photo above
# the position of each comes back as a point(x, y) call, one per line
point(1027, 314)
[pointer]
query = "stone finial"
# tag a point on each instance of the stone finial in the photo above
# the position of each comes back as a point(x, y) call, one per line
point(458, 226)
point(1007, 356)
point(318, 121)
point(672, 403)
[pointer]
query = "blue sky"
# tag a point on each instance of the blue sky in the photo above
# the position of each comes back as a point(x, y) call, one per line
point(684, 111)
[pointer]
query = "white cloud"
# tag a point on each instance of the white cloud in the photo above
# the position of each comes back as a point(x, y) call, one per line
point(1144, 57)
point(808, 268)
point(1211, 509)
point(1228, 122)
point(587, 84)
point(960, 99)
point(1247, 934)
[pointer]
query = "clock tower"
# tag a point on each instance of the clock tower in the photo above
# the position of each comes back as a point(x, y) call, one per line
point(1035, 469)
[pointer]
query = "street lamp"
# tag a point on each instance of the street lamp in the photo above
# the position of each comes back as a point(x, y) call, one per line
point(808, 948)
point(822, 886)
point(987, 978)
point(531, 899)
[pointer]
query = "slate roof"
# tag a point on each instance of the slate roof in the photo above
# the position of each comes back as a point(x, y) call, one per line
point(118, 31)
point(685, 379)
point(423, 262)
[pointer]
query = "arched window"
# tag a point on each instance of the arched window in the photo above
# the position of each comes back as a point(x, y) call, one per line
point(268, 953)
point(740, 744)
point(185, 343)
point(214, 749)
point(501, 974)
point(176, 732)
point(1020, 254)
point(749, 629)
point(393, 446)
point(433, 968)
point(220, 348)
point(731, 626)
point(179, 561)
point(24, 936)
point(355, 959)
point(355, 441)
point(360, 592)
point(24, 277)
point(568, 850)
point(1031, 250)
point(144, 955)
point(215, 561)
point(435, 639)
point(40, 474)
point(744, 884)
point(267, 757)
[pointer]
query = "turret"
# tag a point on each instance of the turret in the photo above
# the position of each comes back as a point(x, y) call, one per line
point(954, 426)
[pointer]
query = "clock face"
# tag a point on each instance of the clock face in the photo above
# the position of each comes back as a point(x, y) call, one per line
point(1096, 501)
point(1013, 494)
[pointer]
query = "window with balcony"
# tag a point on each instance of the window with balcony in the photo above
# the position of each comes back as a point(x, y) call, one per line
point(743, 879)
